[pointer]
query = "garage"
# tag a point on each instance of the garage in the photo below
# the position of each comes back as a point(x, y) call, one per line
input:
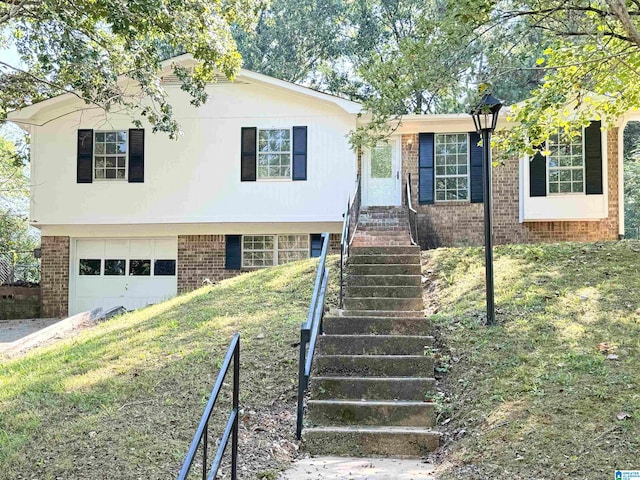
point(133, 273)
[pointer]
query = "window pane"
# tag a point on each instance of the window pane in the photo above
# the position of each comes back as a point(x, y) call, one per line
point(110, 137)
point(140, 267)
point(114, 267)
point(110, 173)
point(451, 166)
point(89, 266)
point(164, 267)
point(99, 137)
point(381, 161)
point(122, 137)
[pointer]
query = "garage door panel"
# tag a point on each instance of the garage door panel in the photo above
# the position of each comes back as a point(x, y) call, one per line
point(166, 249)
point(90, 249)
point(116, 249)
point(115, 286)
point(141, 249)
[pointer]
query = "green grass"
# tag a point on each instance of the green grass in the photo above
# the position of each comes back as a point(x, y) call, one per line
point(536, 397)
point(122, 399)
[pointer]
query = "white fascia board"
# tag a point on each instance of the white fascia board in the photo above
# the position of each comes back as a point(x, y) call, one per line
point(41, 109)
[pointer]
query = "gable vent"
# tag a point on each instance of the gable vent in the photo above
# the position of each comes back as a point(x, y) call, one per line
point(219, 80)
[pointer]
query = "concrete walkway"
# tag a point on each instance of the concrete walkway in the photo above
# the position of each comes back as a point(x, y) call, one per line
point(342, 468)
point(13, 330)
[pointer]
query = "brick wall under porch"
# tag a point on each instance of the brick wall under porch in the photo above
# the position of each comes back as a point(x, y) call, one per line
point(461, 223)
point(202, 257)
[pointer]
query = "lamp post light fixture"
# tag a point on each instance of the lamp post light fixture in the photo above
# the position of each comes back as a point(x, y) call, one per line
point(485, 119)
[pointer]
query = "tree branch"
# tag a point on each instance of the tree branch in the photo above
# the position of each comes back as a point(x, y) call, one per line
point(619, 9)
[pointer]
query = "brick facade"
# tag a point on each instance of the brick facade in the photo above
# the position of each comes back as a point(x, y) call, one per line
point(54, 281)
point(203, 256)
point(461, 223)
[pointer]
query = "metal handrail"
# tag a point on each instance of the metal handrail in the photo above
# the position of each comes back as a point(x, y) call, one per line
point(310, 330)
point(231, 429)
point(411, 212)
point(349, 226)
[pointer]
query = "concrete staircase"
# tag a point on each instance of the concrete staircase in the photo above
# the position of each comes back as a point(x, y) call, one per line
point(385, 226)
point(373, 371)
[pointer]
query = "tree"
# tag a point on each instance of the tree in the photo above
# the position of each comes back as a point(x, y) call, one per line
point(589, 64)
point(295, 41)
point(83, 47)
point(15, 232)
point(631, 146)
point(425, 57)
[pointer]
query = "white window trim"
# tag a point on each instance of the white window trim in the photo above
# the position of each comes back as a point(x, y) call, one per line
point(258, 152)
point(584, 172)
point(435, 176)
point(93, 158)
point(275, 248)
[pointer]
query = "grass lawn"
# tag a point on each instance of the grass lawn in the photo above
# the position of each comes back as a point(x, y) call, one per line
point(122, 400)
point(553, 391)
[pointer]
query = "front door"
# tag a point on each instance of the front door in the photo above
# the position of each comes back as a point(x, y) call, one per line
point(381, 169)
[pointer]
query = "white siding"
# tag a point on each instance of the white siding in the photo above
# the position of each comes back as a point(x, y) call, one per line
point(197, 178)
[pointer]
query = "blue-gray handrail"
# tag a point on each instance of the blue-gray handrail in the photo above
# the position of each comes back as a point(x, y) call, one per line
point(310, 330)
point(231, 429)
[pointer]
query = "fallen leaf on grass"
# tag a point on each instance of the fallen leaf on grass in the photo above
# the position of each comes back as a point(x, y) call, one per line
point(623, 416)
point(612, 356)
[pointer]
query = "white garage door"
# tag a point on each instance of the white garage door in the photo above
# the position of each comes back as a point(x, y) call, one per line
point(133, 273)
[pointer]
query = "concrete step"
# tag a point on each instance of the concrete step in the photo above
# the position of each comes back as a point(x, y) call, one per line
point(384, 269)
point(416, 389)
point(380, 413)
point(363, 325)
point(374, 344)
point(382, 250)
point(374, 365)
point(362, 441)
point(383, 280)
point(372, 313)
point(385, 291)
point(384, 259)
point(376, 303)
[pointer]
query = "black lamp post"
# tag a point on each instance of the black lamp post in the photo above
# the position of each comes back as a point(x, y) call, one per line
point(485, 118)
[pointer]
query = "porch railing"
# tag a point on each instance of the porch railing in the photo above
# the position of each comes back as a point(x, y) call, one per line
point(349, 225)
point(231, 429)
point(411, 212)
point(310, 330)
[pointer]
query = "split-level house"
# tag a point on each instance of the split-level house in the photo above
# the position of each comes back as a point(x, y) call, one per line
point(130, 218)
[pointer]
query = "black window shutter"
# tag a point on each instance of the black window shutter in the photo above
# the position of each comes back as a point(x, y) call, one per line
point(593, 158)
point(248, 154)
point(475, 163)
point(425, 164)
point(316, 245)
point(233, 252)
point(136, 155)
point(299, 153)
point(85, 156)
point(538, 176)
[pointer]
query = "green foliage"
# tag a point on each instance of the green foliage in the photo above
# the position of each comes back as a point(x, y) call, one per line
point(84, 46)
point(294, 40)
point(551, 390)
point(125, 396)
point(15, 232)
point(632, 179)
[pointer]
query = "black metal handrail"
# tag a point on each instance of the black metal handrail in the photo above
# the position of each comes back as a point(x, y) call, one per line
point(350, 220)
point(310, 330)
point(231, 429)
point(411, 212)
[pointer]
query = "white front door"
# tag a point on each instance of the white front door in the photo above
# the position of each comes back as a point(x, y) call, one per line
point(133, 273)
point(381, 174)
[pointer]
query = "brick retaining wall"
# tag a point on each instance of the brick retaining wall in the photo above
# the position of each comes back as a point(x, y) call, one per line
point(19, 302)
